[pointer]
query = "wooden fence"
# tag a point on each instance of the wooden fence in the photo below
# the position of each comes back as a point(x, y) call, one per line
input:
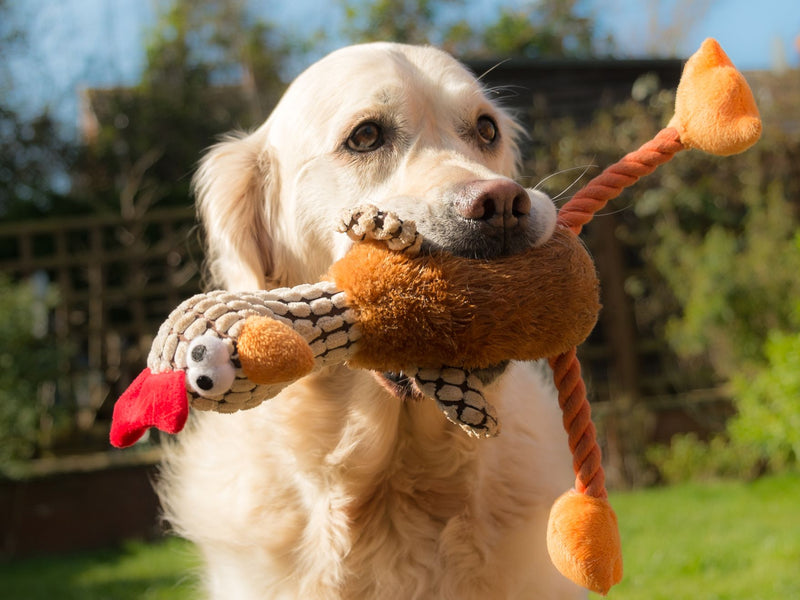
point(116, 281)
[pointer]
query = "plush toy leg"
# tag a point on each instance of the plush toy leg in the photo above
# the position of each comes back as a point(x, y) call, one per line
point(582, 535)
point(583, 541)
point(367, 222)
point(459, 395)
point(714, 108)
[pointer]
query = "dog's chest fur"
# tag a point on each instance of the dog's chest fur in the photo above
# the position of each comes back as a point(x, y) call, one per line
point(363, 495)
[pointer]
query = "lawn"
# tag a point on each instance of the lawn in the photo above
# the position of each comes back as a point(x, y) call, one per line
point(720, 541)
point(136, 571)
point(717, 541)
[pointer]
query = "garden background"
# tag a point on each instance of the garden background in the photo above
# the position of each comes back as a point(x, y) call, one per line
point(693, 370)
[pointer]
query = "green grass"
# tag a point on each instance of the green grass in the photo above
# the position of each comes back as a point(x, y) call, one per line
point(716, 541)
point(137, 571)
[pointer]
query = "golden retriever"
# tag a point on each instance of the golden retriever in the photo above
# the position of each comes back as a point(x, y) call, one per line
point(345, 486)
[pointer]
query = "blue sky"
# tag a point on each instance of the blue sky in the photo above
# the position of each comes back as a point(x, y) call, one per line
point(80, 43)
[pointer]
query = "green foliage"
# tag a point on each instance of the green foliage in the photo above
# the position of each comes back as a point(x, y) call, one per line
point(551, 29)
point(688, 458)
point(136, 571)
point(764, 435)
point(211, 67)
point(723, 540)
point(408, 21)
point(28, 358)
point(737, 281)
point(548, 28)
point(728, 249)
point(769, 404)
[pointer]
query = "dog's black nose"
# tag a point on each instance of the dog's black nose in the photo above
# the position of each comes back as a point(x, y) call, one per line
point(498, 202)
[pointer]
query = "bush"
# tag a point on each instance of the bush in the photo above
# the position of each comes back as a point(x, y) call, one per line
point(28, 359)
point(769, 404)
point(689, 458)
point(764, 434)
point(735, 282)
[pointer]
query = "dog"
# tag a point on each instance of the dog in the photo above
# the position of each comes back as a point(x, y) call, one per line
point(347, 485)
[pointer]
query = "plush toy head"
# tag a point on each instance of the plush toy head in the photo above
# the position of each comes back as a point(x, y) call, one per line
point(443, 320)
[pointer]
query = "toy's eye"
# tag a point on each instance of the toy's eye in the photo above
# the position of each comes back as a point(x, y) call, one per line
point(209, 368)
point(207, 350)
point(366, 137)
point(487, 129)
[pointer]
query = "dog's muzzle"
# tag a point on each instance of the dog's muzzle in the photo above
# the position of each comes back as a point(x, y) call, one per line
point(488, 219)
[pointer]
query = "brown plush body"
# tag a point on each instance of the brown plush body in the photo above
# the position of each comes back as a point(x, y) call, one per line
point(439, 310)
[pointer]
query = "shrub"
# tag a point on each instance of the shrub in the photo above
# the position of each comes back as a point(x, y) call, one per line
point(688, 458)
point(769, 404)
point(28, 358)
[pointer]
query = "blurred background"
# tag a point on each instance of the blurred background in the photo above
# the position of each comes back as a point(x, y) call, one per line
point(693, 370)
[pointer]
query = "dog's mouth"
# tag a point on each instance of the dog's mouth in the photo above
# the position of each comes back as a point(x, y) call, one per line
point(398, 385)
point(403, 387)
point(478, 240)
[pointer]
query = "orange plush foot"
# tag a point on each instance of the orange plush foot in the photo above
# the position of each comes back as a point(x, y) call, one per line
point(714, 107)
point(272, 352)
point(583, 541)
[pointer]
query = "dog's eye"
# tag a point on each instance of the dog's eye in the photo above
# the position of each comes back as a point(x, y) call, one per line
point(487, 129)
point(366, 138)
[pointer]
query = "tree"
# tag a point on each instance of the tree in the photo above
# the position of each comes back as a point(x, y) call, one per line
point(544, 28)
point(32, 150)
point(211, 67)
point(407, 21)
point(29, 361)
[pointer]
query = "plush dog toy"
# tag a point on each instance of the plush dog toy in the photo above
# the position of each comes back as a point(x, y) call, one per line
point(444, 321)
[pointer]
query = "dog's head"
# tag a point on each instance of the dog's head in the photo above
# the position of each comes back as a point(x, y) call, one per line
point(405, 128)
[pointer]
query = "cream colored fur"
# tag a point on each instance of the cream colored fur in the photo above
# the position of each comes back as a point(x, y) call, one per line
point(336, 489)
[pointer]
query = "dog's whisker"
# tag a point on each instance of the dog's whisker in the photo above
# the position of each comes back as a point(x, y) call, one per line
point(501, 92)
point(562, 194)
point(492, 68)
point(584, 170)
point(608, 213)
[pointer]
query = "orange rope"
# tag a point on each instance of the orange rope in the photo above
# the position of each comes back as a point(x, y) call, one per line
point(586, 457)
point(576, 412)
point(610, 183)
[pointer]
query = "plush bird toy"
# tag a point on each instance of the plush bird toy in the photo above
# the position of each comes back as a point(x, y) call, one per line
point(444, 321)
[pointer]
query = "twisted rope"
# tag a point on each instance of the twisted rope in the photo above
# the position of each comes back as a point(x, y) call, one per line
point(577, 416)
point(609, 184)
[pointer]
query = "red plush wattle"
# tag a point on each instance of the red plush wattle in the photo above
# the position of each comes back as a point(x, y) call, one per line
point(152, 400)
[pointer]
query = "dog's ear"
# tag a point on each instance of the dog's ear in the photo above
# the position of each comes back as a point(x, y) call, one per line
point(234, 190)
